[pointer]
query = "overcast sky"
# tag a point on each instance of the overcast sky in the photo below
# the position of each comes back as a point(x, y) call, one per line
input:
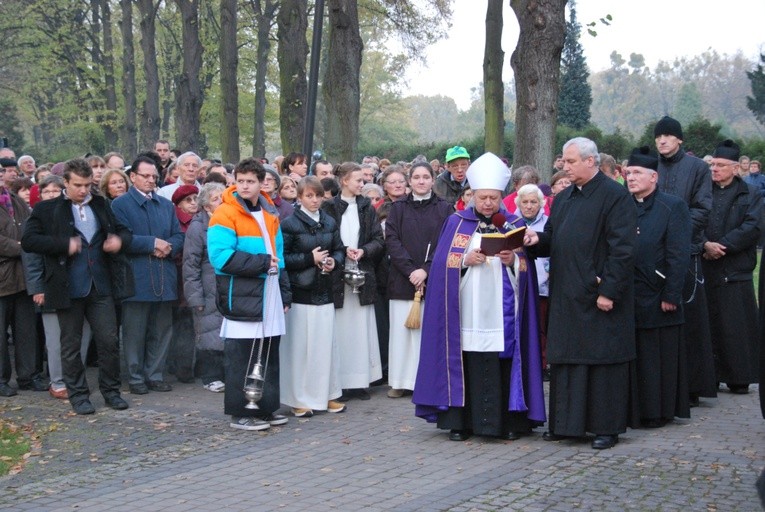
point(657, 29)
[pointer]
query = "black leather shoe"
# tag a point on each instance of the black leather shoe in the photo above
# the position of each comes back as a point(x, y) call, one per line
point(138, 389)
point(6, 390)
point(459, 435)
point(549, 436)
point(116, 402)
point(159, 385)
point(742, 389)
point(604, 442)
point(84, 407)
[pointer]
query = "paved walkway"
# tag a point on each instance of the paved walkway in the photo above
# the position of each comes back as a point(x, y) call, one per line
point(175, 452)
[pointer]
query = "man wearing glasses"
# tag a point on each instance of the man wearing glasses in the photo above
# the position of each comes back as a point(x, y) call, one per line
point(688, 178)
point(147, 316)
point(449, 185)
point(729, 258)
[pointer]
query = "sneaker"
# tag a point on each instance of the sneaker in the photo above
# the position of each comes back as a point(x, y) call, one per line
point(249, 424)
point(395, 393)
point(302, 413)
point(215, 386)
point(336, 407)
point(276, 419)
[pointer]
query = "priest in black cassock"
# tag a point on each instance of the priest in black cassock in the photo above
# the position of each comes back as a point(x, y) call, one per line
point(590, 238)
point(730, 256)
point(662, 253)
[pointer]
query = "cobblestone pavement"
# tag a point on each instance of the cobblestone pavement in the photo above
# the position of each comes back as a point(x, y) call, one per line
point(175, 452)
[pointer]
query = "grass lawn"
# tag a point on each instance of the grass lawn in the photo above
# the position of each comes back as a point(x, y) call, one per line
point(13, 446)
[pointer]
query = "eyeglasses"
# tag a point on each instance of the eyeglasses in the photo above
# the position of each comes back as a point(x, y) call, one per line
point(721, 164)
point(152, 177)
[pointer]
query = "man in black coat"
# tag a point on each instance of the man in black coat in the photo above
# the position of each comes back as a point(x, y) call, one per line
point(662, 254)
point(729, 258)
point(590, 238)
point(81, 239)
point(688, 178)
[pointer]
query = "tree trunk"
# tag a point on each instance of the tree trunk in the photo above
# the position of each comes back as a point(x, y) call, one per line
point(536, 64)
point(292, 22)
point(128, 131)
point(188, 98)
point(341, 82)
point(264, 16)
point(110, 92)
point(150, 111)
point(229, 91)
point(493, 88)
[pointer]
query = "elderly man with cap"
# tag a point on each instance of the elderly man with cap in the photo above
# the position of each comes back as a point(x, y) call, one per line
point(688, 178)
point(590, 239)
point(449, 185)
point(480, 369)
point(11, 167)
point(662, 253)
point(730, 256)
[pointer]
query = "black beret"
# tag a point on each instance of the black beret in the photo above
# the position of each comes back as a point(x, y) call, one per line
point(668, 126)
point(8, 162)
point(728, 150)
point(643, 157)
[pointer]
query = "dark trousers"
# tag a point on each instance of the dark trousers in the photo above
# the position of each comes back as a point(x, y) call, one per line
point(146, 331)
point(182, 345)
point(210, 366)
point(99, 310)
point(236, 364)
point(18, 312)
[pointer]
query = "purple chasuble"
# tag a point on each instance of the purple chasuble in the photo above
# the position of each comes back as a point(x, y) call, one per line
point(440, 380)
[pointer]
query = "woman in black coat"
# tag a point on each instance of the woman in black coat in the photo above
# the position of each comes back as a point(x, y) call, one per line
point(411, 235)
point(355, 325)
point(313, 251)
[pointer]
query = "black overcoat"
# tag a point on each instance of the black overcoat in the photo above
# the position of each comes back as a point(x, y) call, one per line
point(740, 224)
point(590, 238)
point(370, 240)
point(663, 249)
point(48, 231)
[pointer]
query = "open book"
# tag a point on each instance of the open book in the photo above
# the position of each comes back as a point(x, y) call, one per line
point(493, 243)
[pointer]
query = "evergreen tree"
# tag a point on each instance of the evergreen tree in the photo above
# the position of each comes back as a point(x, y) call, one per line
point(756, 102)
point(575, 93)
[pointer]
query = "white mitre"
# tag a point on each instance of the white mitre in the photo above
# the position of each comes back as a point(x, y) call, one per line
point(488, 172)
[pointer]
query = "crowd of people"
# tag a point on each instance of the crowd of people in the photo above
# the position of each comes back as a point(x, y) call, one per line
point(299, 283)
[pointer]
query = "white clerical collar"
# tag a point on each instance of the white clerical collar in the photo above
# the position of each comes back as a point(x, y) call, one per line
point(314, 215)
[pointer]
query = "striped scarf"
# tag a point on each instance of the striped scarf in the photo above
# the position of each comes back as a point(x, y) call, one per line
point(5, 200)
